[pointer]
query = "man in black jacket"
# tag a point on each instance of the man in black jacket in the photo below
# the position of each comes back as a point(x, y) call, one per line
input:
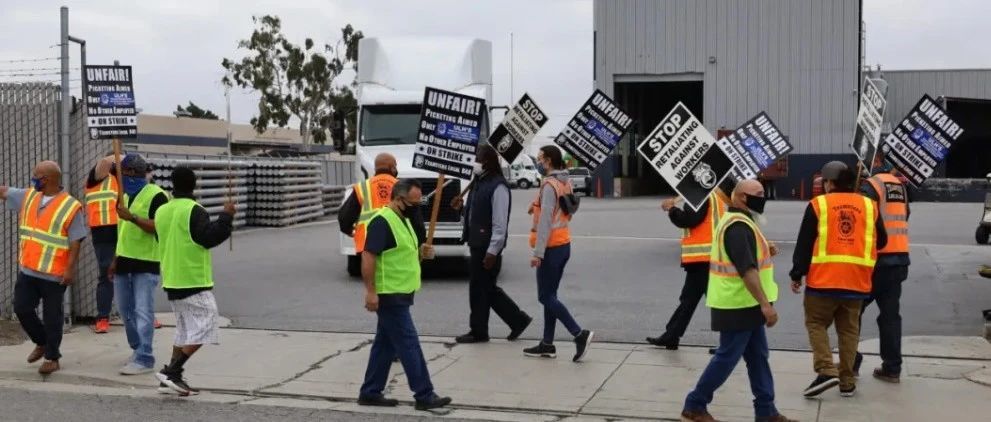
point(486, 219)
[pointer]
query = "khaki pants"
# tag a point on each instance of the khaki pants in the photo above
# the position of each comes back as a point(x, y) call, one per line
point(820, 313)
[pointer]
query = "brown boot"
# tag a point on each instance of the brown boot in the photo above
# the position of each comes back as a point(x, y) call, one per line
point(693, 416)
point(48, 367)
point(36, 354)
point(776, 418)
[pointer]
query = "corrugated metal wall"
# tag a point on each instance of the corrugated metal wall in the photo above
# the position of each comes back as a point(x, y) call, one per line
point(796, 59)
point(905, 87)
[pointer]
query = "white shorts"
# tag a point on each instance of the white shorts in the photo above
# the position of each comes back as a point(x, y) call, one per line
point(196, 320)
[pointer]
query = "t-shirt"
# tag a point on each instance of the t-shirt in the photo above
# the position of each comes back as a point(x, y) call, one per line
point(77, 228)
point(379, 237)
point(740, 245)
point(138, 266)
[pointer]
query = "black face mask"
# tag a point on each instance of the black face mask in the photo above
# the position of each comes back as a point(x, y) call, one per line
point(409, 210)
point(756, 203)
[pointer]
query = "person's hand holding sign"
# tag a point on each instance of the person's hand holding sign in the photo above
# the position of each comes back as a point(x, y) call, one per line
point(669, 203)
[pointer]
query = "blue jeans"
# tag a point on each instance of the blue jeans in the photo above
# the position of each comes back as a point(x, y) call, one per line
point(136, 303)
point(396, 336)
point(549, 275)
point(104, 288)
point(751, 345)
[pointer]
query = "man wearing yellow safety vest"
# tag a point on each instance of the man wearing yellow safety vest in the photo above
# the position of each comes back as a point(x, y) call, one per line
point(135, 270)
point(696, 241)
point(52, 225)
point(102, 191)
point(185, 235)
point(741, 294)
point(836, 251)
point(890, 271)
point(391, 272)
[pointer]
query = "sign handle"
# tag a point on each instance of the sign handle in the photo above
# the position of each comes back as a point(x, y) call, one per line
point(230, 195)
point(435, 211)
point(120, 189)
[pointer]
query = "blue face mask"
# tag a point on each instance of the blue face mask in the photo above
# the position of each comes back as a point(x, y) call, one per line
point(540, 169)
point(133, 185)
point(37, 184)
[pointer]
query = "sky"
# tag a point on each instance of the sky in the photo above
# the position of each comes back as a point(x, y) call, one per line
point(176, 46)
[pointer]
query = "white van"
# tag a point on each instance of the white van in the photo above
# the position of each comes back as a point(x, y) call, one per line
point(523, 173)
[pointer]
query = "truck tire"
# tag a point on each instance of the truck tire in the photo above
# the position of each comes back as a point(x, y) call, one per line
point(354, 266)
point(983, 234)
point(523, 184)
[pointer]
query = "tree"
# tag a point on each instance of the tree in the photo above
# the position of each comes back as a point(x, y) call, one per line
point(294, 81)
point(194, 111)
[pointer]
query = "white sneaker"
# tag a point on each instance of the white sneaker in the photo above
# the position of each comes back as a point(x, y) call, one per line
point(134, 369)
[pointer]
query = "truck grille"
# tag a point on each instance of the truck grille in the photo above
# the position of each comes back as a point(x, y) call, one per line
point(446, 214)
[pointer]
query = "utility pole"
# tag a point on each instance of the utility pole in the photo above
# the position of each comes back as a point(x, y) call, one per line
point(64, 124)
point(512, 70)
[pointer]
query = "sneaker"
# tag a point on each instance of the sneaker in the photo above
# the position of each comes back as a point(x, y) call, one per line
point(471, 338)
point(516, 332)
point(174, 380)
point(821, 384)
point(886, 376)
point(664, 341)
point(132, 368)
point(848, 392)
point(102, 326)
point(164, 389)
point(378, 401)
point(541, 350)
point(696, 416)
point(157, 324)
point(36, 354)
point(582, 341)
point(857, 361)
point(436, 402)
point(49, 367)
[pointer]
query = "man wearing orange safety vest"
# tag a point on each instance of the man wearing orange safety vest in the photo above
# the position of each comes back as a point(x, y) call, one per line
point(52, 226)
point(102, 191)
point(696, 241)
point(891, 269)
point(836, 251)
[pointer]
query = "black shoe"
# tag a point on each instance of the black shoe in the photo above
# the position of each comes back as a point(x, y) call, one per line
point(541, 350)
point(857, 361)
point(848, 392)
point(378, 401)
point(712, 350)
point(582, 341)
point(173, 379)
point(821, 384)
point(436, 402)
point(471, 338)
point(664, 341)
point(516, 332)
point(886, 376)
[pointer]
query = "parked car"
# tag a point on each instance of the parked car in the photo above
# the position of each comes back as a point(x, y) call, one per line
point(581, 180)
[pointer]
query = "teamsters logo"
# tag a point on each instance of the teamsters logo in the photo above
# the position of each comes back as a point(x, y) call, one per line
point(704, 175)
point(847, 220)
point(418, 162)
point(504, 144)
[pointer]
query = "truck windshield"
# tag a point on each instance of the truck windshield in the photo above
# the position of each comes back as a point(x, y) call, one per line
point(389, 124)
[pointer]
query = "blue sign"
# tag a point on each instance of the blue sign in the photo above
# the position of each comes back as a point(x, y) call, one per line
point(457, 132)
point(117, 99)
point(600, 131)
point(927, 142)
point(757, 152)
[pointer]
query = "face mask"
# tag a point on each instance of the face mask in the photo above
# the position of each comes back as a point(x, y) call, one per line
point(133, 185)
point(37, 184)
point(756, 203)
point(477, 169)
point(541, 169)
point(409, 210)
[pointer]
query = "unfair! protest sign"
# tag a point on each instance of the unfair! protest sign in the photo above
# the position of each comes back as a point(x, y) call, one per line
point(450, 127)
point(595, 130)
point(110, 105)
point(754, 146)
point(921, 141)
point(869, 118)
point(686, 156)
point(518, 127)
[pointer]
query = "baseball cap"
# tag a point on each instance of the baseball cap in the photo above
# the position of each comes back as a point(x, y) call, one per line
point(832, 169)
point(135, 163)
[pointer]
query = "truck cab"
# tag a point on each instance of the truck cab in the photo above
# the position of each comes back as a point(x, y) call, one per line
point(392, 75)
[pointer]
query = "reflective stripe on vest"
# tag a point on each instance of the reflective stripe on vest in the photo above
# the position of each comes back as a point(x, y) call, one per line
point(397, 270)
point(132, 241)
point(44, 239)
point(696, 242)
point(727, 289)
point(560, 232)
point(845, 251)
point(101, 203)
point(894, 213)
point(372, 195)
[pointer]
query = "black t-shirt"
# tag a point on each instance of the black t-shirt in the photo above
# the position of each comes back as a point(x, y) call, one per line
point(101, 234)
point(740, 245)
point(136, 266)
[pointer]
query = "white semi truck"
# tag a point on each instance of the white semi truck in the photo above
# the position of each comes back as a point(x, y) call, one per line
point(392, 74)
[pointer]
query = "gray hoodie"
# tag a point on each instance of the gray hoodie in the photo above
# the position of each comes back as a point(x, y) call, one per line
point(548, 203)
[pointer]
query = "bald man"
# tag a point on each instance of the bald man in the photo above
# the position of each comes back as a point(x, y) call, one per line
point(366, 197)
point(741, 292)
point(52, 228)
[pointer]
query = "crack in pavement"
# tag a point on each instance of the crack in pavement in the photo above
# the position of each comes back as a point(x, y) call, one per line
point(317, 365)
point(394, 380)
point(605, 381)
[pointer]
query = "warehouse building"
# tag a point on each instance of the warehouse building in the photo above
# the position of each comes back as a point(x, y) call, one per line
point(801, 61)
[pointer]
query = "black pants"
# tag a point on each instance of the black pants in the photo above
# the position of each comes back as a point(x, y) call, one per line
point(696, 283)
point(886, 290)
point(28, 293)
point(484, 294)
point(105, 287)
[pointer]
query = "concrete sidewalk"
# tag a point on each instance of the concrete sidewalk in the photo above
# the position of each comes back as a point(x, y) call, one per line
point(494, 381)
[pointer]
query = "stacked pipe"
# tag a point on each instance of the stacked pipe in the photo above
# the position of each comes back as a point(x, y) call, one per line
point(285, 193)
point(214, 185)
point(333, 197)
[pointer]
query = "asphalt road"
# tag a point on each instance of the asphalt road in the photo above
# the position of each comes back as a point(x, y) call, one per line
point(623, 279)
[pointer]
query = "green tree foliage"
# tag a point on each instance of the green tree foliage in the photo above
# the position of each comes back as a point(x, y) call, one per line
point(294, 81)
point(194, 111)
